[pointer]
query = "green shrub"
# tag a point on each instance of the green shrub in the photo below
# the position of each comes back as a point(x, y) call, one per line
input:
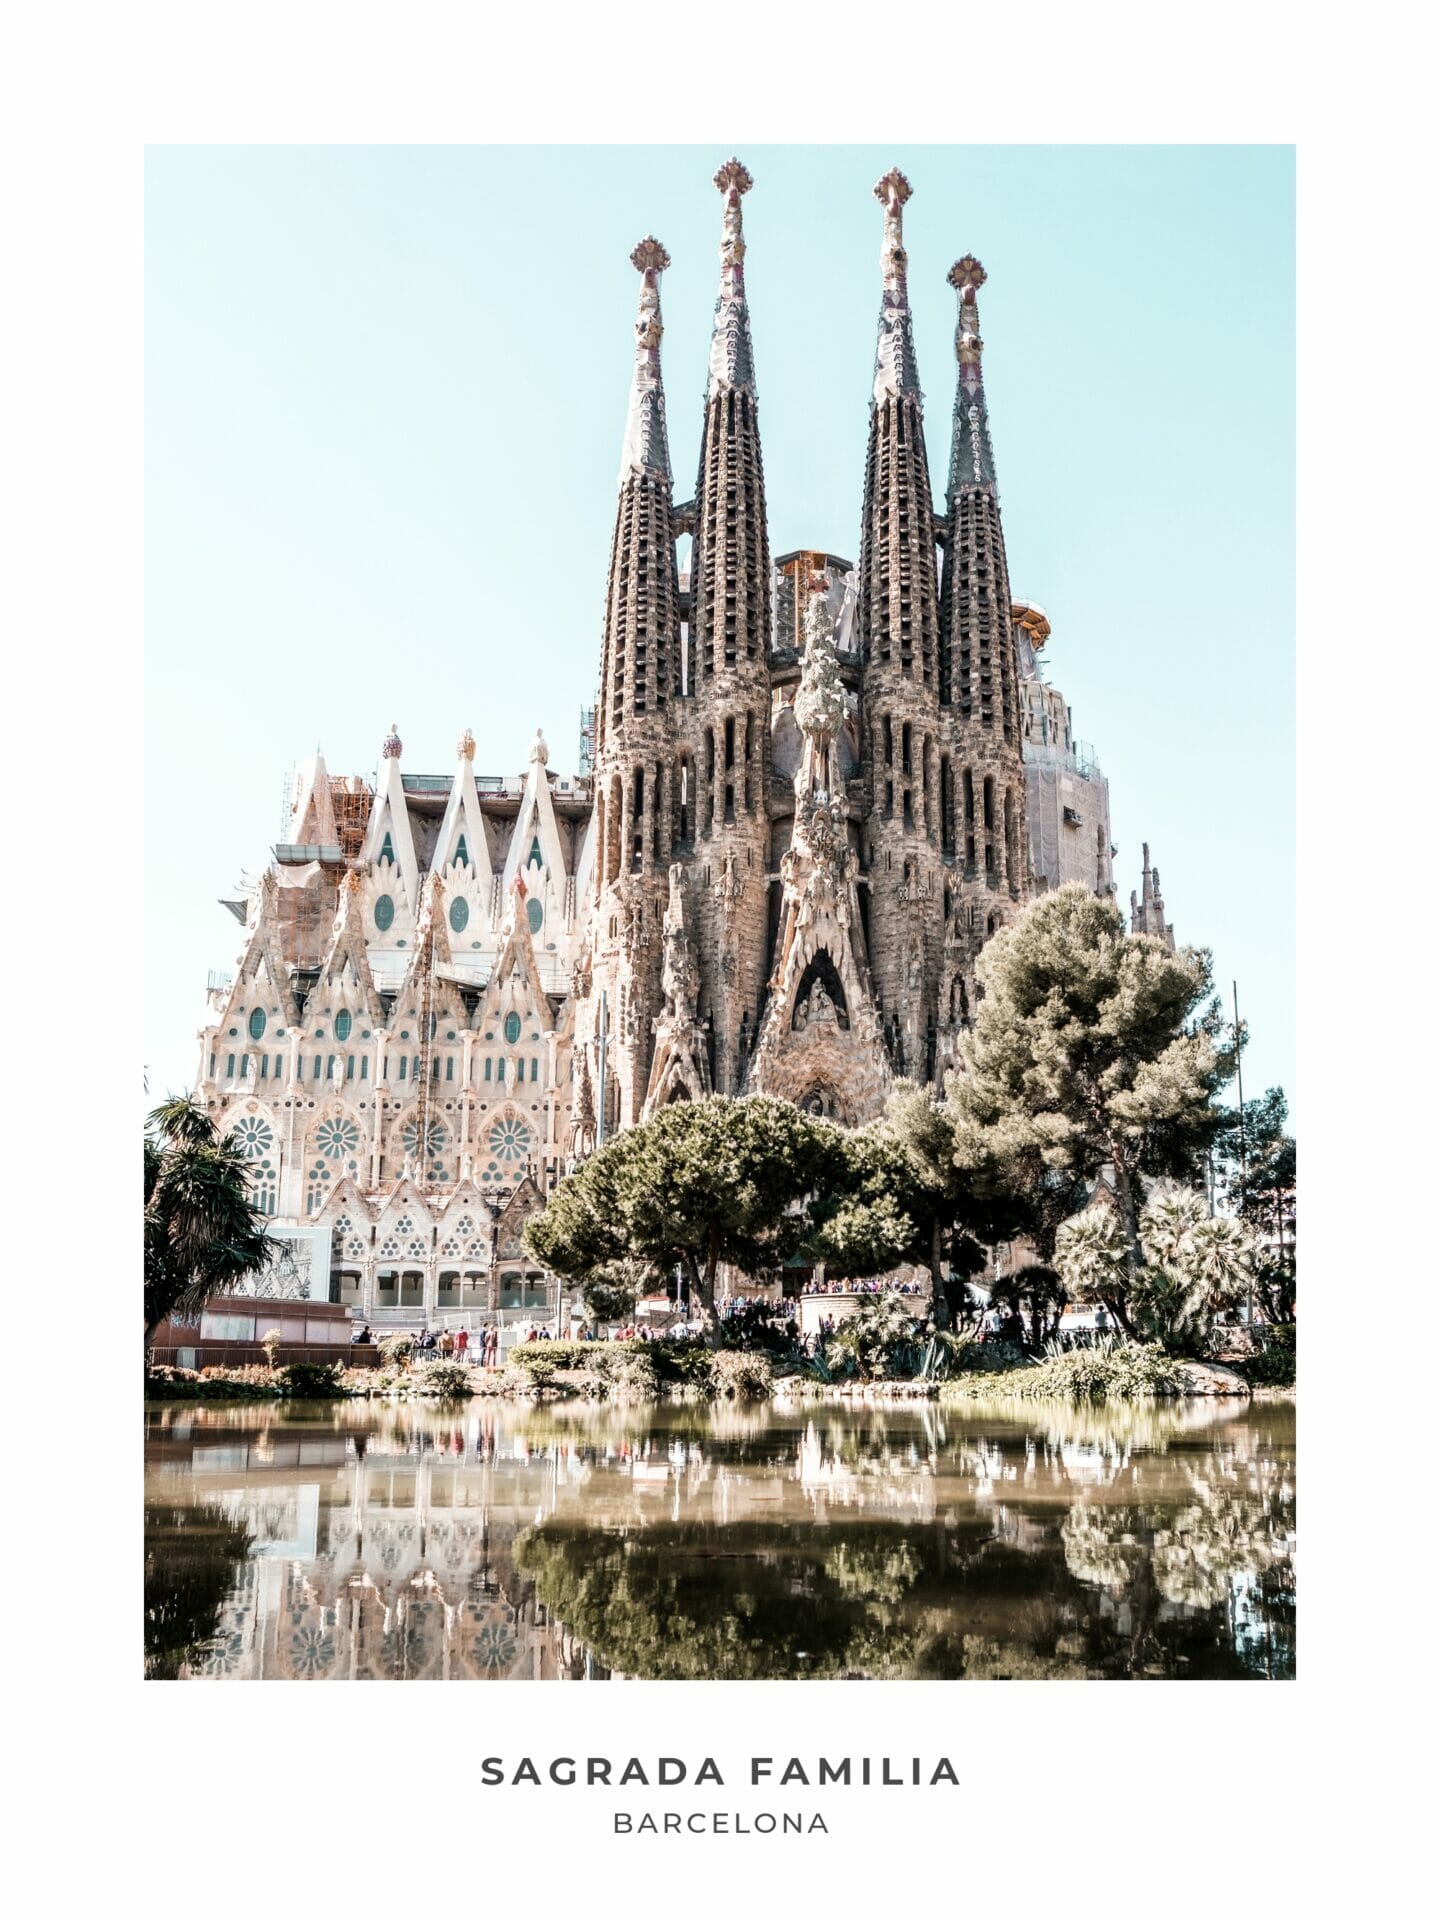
point(1274, 1364)
point(448, 1378)
point(738, 1375)
point(683, 1363)
point(1106, 1371)
point(396, 1349)
point(308, 1380)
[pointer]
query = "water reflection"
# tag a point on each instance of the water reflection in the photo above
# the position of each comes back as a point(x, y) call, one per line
point(570, 1542)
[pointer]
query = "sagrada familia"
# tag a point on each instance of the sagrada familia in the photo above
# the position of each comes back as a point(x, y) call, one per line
point(810, 791)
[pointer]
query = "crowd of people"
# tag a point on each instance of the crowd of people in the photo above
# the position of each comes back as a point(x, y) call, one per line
point(865, 1286)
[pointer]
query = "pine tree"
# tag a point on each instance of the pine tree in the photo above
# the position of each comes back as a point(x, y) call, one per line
point(1091, 1048)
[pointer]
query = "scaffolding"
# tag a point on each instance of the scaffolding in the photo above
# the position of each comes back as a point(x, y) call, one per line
point(351, 799)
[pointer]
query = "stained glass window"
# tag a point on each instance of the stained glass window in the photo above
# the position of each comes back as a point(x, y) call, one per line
point(459, 914)
point(535, 914)
point(462, 852)
point(508, 1145)
point(255, 1140)
point(387, 851)
point(512, 1027)
point(436, 1140)
point(336, 1148)
point(537, 859)
point(343, 1024)
point(385, 911)
point(257, 1023)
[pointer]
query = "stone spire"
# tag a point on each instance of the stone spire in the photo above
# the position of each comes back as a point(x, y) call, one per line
point(896, 370)
point(972, 458)
point(647, 449)
point(732, 361)
point(985, 796)
point(1147, 915)
point(643, 611)
point(899, 626)
point(635, 739)
point(726, 764)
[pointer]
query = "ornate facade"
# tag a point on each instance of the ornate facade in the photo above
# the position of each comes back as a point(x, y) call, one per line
point(802, 811)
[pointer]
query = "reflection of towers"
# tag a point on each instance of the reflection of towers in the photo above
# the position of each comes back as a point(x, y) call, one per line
point(635, 771)
point(983, 780)
point(901, 711)
point(727, 770)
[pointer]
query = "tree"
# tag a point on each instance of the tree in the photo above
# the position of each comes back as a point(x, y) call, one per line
point(881, 1327)
point(949, 1204)
point(1091, 1047)
point(1255, 1172)
point(202, 1233)
point(1192, 1268)
point(1090, 1252)
point(698, 1184)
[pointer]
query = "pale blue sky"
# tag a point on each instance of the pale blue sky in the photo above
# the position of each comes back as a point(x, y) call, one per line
point(385, 390)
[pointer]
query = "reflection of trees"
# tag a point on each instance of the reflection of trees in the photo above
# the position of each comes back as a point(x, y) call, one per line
point(746, 1602)
point(192, 1555)
point(1224, 1554)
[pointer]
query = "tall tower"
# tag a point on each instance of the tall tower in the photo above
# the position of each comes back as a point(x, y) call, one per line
point(983, 780)
point(727, 759)
point(636, 750)
point(900, 634)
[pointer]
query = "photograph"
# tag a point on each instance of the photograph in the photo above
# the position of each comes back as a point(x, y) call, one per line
point(684, 1138)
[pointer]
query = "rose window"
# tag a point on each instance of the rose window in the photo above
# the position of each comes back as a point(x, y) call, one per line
point(334, 1139)
point(253, 1136)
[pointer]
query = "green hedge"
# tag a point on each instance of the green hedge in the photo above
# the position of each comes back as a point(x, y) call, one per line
point(1102, 1372)
point(1274, 1365)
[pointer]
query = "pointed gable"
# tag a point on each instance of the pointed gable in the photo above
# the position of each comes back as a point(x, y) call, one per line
point(390, 836)
point(312, 818)
point(462, 839)
point(515, 984)
point(346, 962)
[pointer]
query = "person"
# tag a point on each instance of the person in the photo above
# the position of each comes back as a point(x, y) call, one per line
point(360, 1337)
point(446, 1344)
point(1012, 1329)
point(1102, 1320)
point(462, 1344)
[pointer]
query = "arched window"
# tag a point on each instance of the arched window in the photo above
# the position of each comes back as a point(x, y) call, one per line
point(462, 852)
point(536, 859)
point(387, 850)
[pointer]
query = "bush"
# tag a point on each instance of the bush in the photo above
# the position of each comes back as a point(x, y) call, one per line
point(395, 1351)
point(308, 1380)
point(683, 1363)
point(1106, 1371)
point(448, 1378)
point(620, 1363)
point(1274, 1364)
point(738, 1375)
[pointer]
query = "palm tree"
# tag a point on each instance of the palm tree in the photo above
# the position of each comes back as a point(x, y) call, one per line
point(202, 1234)
point(1092, 1255)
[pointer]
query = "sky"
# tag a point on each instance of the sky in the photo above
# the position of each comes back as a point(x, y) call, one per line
point(385, 396)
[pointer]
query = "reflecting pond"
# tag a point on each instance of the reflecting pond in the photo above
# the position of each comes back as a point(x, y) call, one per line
point(487, 1541)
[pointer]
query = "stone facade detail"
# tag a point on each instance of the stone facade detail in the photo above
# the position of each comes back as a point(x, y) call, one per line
point(1067, 797)
point(821, 1043)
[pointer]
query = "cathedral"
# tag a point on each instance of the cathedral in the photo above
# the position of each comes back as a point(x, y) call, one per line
point(810, 790)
